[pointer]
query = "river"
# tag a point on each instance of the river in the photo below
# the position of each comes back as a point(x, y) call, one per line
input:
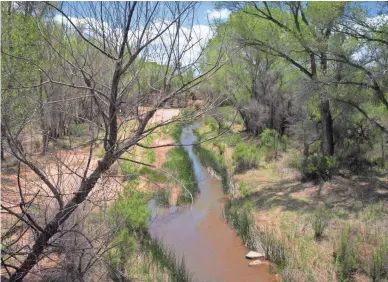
point(212, 250)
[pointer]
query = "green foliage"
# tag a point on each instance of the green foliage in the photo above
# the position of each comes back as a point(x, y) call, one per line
point(150, 155)
point(320, 220)
point(241, 219)
point(174, 130)
point(275, 247)
point(318, 167)
point(166, 258)
point(79, 129)
point(162, 197)
point(179, 164)
point(244, 189)
point(346, 261)
point(130, 171)
point(153, 175)
point(209, 159)
point(378, 264)
point(271, 142)
point(129, 216)
point(245, 157)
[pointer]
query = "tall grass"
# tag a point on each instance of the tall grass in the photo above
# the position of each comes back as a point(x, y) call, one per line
point(378, 263)
point(241, 219)
point(209, 159)
point(346, 260)
point(167, 259)
point(275, 246)
point(320, 220)
point(179, 164)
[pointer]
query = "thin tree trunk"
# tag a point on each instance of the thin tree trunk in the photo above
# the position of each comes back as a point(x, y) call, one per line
point(43, 124)
point(327, 127)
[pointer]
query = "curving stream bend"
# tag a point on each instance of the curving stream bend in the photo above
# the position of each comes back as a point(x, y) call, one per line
point(212, 250)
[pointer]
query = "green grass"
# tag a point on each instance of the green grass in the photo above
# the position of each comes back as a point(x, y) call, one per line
point(209, 159)
point(179, 164)
point(240, 217)
point(153, 175)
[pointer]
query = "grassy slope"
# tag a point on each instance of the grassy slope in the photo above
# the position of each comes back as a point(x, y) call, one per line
point(284, 211)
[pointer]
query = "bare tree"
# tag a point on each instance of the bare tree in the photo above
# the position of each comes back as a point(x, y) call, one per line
point(101, 54)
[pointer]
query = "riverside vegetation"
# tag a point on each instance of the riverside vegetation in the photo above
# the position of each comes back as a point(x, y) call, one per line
point(292, 98)
point(303, 227)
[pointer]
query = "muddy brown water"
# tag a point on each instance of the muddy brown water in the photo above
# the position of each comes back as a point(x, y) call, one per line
point(212, 250)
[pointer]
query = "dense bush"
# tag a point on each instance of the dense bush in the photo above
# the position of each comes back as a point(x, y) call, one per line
point(318, 167)
point(245, 156)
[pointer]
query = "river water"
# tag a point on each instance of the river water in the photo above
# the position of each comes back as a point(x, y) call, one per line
point(212, 250)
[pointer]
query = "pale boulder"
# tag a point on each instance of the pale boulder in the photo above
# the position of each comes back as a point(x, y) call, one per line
point(254, 255)
point(255, 262)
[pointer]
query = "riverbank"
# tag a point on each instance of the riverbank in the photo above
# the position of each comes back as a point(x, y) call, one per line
point(330, 231)
point(197, 231)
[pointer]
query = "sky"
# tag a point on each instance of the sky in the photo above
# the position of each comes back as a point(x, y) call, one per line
point(205, 16)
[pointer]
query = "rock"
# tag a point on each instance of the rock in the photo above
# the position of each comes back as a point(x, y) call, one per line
point(254, 255)
point(255, 262)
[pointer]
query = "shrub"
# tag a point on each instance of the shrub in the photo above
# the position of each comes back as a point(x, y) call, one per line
point(245, 156)
point(271, 141)
point(318, 167)
point(320, 220)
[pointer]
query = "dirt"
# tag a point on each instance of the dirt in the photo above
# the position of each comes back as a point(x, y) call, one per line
point(161, 115)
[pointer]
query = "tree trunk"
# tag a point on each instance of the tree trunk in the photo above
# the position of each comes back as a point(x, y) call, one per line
point(327, 145)
point(2, 141)
point(43, 123)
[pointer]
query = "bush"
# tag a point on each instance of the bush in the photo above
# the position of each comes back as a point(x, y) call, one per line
point(318, 167)
point(245, 156)
point(320, 220)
